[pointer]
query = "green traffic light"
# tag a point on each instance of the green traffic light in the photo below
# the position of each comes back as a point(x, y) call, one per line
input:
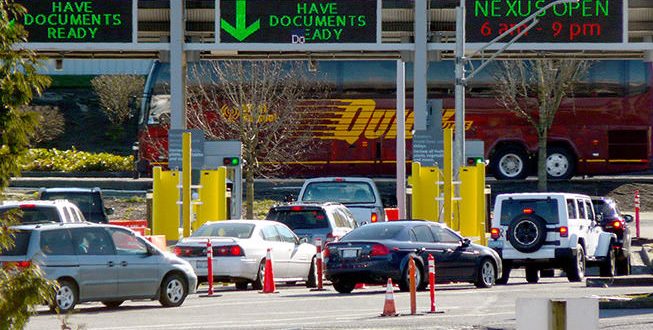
point(235, 161)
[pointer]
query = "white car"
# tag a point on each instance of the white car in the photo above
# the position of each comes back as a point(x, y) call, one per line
point(240, 249)
point(39, 211)
point(542, 231)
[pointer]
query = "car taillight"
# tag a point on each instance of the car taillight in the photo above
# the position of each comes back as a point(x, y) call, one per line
point(615, 224)
point(494, 233)
point(16, 264)
point(228, 251)
point(379, 250)
point(296, 208)
point(374, 217)
point(177, 251)
point(564, 231)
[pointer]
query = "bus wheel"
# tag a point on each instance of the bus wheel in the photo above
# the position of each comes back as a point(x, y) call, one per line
point(560, 163)
point(509, 163)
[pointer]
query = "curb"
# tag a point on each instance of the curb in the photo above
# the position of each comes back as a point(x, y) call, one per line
point(626, 304)
point(636, 280)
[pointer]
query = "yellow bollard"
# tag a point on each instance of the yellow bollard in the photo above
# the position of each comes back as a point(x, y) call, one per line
point(414, 181)
point(165, 211)
point(469, 203)
point(472, 205)
point(480, 197)
point(212, 195)
point(425, 190)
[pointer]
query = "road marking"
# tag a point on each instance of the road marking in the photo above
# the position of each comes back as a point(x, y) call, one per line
point(370, 316)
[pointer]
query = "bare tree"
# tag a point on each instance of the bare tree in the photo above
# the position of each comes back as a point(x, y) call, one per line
point(533, 90)
point(51, 122)
point(259, 104)
point(115, 93)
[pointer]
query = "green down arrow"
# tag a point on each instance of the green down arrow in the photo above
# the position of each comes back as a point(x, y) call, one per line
point(241, 31)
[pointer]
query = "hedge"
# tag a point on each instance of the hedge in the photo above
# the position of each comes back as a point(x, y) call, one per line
point(75, 161)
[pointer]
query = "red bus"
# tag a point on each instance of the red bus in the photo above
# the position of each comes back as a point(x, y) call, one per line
point(604, 129)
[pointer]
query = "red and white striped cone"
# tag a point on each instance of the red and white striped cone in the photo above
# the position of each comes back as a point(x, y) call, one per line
point(209, 266)
point(389, 305)
point(432, 283)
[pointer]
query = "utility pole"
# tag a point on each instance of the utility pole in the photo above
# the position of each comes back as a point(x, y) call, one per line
point(461, 62)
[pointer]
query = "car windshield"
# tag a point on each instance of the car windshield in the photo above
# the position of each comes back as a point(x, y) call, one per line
point(605, 208)
point(21, 240)
point(547, 209)
point(87, 203)
point(225, 229)
point(374, 232)
point(32, 214)
point(339, 191)
point(305, 219)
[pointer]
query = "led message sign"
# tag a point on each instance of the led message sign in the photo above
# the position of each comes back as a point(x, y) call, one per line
point(78, 21)
point(585, 21)
point(303, 21)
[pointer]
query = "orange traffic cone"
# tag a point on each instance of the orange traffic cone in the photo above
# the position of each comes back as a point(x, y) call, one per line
point(268, 279)
point(389, 306)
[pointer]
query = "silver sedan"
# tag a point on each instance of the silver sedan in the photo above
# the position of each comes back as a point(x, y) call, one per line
point(240, 249)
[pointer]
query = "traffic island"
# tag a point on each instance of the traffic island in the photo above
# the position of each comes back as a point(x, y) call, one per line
point(630, 301)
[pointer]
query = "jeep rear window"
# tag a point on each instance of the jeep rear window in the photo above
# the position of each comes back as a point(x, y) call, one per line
point(21, 241)
point(544, 208)
point(304, 219)
point(34, 214)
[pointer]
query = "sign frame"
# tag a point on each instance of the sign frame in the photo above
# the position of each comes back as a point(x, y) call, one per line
point(330, 45)
point(546, 43)
point(79, 10)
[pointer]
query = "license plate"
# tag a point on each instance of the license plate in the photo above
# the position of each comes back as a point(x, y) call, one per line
point(350, 253)
point(201, 264)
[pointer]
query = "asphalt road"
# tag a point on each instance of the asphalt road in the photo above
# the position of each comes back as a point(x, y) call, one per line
point(463, 307)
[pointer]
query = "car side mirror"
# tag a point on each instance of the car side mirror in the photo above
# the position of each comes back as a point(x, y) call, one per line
point(465, 242)
point(303, 240)
point(108, 210)
point(628, 218)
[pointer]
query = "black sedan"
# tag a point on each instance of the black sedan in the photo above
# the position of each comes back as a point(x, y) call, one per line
point(613, 221)
point(378, 251)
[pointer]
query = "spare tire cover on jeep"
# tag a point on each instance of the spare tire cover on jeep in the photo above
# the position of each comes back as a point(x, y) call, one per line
point(527, 233)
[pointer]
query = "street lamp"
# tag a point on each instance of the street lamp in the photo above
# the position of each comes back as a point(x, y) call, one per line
point(461, 61)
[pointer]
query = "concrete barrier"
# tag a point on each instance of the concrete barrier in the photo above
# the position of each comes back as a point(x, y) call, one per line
point(557, 313)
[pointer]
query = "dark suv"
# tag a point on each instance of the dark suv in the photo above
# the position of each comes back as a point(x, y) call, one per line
point(89, 201)
point(613, 221)
point(327, 221)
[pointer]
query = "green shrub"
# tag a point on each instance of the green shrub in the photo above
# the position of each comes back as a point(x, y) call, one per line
point(74, 161)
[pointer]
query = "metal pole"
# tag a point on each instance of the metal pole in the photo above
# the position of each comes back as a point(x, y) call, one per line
point(420, 66)
point(177, 66)
point(459, 133)
point(186, 171)
point(401, 138)
point(237, 194)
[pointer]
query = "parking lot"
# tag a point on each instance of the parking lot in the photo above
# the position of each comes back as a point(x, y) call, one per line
point(463, 307)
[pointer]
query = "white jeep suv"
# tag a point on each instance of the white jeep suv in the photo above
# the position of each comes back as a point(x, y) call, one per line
point(550, 230)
